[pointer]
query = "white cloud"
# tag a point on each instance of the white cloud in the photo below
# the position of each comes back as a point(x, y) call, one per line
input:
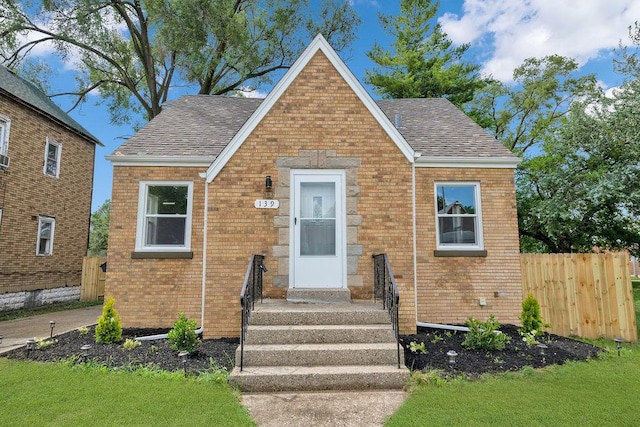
point(510, 31)
point(252, 93)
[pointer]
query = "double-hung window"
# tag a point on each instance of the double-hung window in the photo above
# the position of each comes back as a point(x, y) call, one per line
point(52, 153)
point(164, 216)
point(458, 216)
point(5, 124)
point(46, 229)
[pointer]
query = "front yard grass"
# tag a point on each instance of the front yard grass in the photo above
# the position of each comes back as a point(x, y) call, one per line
point(54, 394)
point(594, 393)
point(45, 309)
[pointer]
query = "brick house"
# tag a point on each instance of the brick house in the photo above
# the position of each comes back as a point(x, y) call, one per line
point(351, 177)
point(46, 180)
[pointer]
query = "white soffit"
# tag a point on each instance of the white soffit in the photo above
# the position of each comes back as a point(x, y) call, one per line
point(318, 44)
point(468, 162)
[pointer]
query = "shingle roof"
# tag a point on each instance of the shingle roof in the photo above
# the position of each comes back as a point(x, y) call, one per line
point(437, 128)
point(202, 125)
point(28, 93)
point(193, 125)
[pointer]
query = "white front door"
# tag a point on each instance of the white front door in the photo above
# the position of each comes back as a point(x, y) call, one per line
point(318, 221)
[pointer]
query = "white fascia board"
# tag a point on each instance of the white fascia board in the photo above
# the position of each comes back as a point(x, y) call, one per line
point(468, 162)
point(318, 44)
point(161, 161)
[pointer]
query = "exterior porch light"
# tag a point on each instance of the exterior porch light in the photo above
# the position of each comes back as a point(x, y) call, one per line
point(619, 342)
point(268, 183)
point(85, 352)
point(183, 355)
point(31, 345)
point(52, 324)
point(452, 356)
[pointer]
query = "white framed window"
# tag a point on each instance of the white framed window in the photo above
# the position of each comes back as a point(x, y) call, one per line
point(458, 216)
point(5, 125)
point(52, 154)
point(46, 231)
point(164, 216)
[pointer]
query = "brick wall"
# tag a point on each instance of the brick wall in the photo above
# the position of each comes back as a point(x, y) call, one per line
point(26, 193)
point(449, 289)
point(151, 292)
point(318, 123)
point(317, 118)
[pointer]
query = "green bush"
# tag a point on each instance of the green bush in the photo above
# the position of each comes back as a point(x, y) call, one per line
point(183, 336)
point(130, 344)
point(108, 329)
point(531, 318)
point(416, 347)
point(483, 335)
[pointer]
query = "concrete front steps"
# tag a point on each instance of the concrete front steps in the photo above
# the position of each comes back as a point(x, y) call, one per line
point(319, 346)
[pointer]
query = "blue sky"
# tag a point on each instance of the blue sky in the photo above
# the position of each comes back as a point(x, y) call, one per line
point(502, 33)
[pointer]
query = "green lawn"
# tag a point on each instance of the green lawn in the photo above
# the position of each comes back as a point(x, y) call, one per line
point(594, 393)
point(57, 395)
point(50, 308)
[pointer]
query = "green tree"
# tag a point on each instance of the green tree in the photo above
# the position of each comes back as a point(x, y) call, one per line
point(99, 230)
point(581, 191)
point(522, 115)
point(136, 51)
point(423, 61)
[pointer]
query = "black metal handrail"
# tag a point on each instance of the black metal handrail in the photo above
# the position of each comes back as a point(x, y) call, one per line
point(385, 288)
point(251, 289)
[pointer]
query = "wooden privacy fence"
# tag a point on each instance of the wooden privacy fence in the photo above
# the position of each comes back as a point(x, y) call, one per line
point(92, 279)
point(588, 295)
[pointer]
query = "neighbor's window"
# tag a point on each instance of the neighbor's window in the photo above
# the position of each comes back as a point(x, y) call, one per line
point(46, 228)
point(164, 216)
point(52, 153)
point(459, 221)
point(5, 124)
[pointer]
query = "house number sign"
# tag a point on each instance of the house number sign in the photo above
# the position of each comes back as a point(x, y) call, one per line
point(267, 204)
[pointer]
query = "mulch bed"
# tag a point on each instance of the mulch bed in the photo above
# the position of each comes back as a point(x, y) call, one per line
point(472, 363)
point(221, 352)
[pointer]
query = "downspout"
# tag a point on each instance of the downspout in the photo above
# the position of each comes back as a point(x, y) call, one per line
point(204, 244)
point(200, 330)
point(416, 155)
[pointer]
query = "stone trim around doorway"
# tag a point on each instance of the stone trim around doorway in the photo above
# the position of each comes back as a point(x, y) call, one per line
point(317, 159)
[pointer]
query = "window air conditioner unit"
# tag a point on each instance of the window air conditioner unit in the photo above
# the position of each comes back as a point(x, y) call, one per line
point(4, 161)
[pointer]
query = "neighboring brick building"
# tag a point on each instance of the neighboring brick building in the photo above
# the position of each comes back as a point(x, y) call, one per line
point(46, 180)
point(352, 177)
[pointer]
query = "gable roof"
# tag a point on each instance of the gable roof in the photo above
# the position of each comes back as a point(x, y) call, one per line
point(319, 44)
point(206, 130)
point(27, 93)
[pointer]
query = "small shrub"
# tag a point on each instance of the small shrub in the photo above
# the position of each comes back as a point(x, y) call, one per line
point(530, 338)
point(42, 344)
point(183, 336)
point(484, 335)
point(417, 347)
point(531, 318)
point(108, 329)
point(436, 339)
point(130, 344)
point(83, 330)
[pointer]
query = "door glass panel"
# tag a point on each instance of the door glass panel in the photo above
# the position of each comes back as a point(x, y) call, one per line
point(317, 218)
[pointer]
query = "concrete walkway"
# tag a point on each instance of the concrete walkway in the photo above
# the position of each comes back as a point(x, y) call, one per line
point(331, 409)
point(335, 409)
point(16, 332)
